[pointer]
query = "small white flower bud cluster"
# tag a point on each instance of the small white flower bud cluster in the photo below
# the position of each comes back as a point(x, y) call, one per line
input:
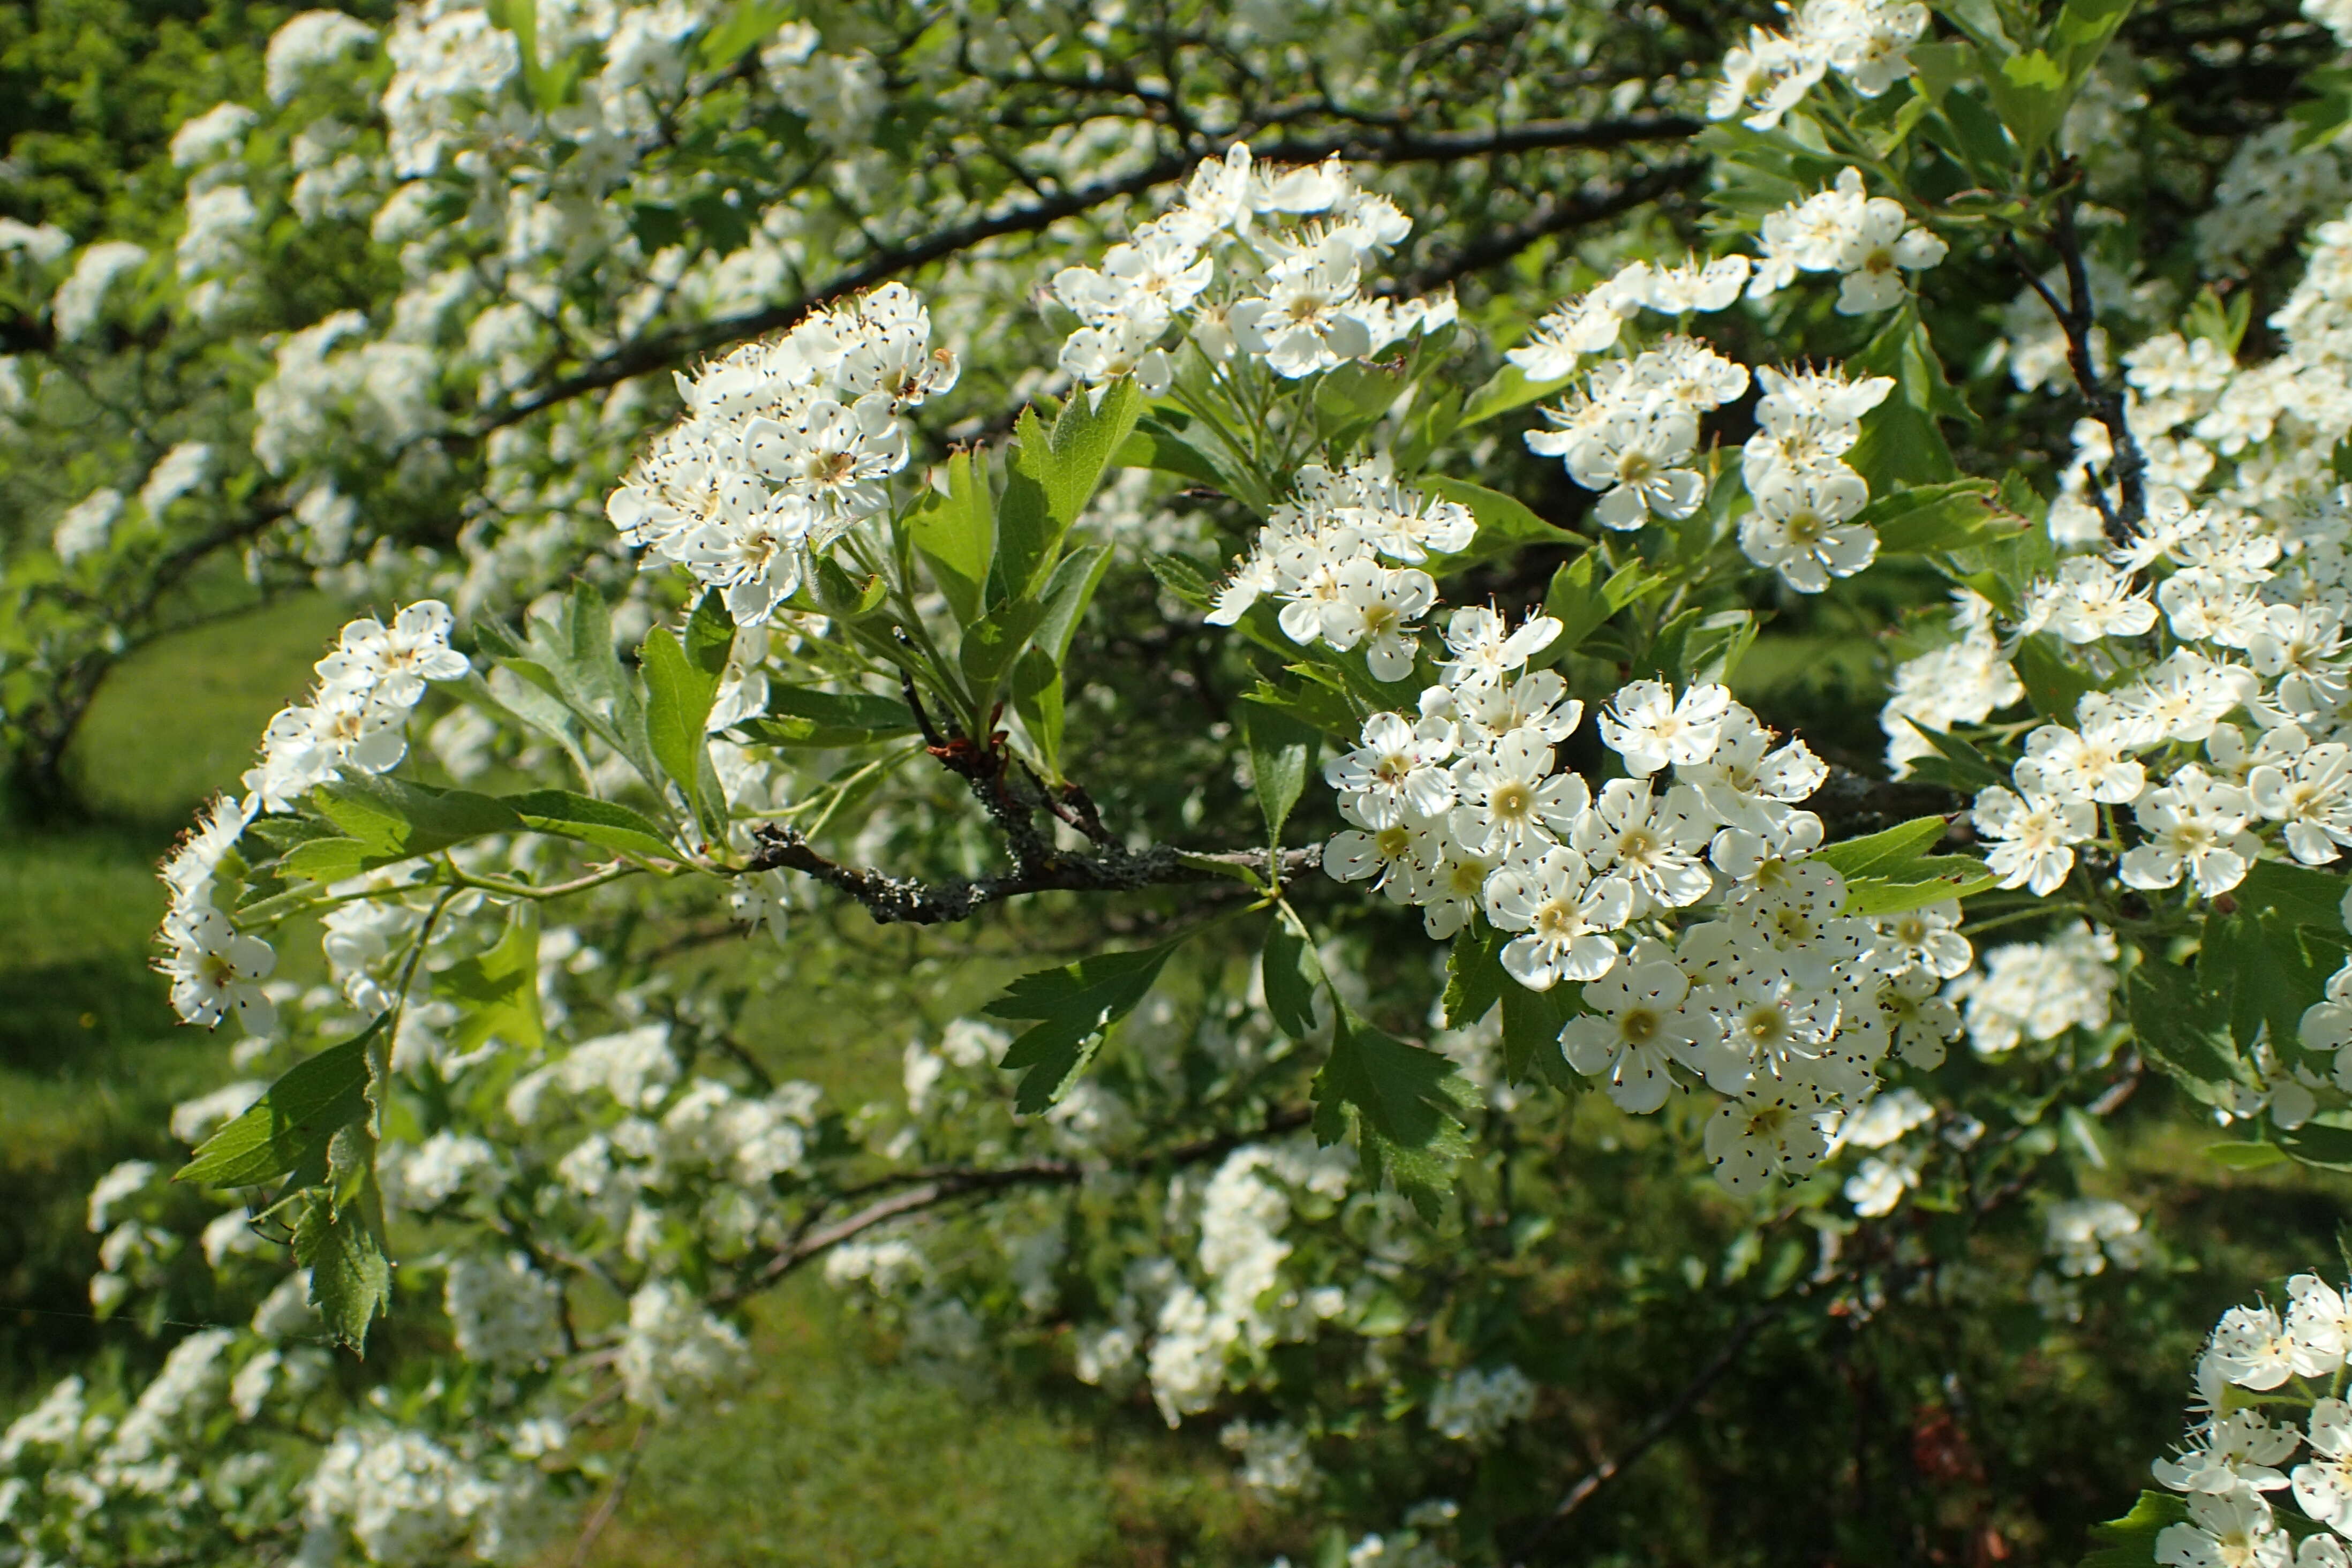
point(356, 719)
point(785, 447)
point(1294, 242)
point(1327, 555)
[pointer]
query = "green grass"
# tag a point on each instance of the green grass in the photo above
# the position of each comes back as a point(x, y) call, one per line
point(179, 720)
point(831, 1458)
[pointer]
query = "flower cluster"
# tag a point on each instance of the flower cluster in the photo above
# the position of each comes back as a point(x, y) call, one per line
point(784, 447)
point(1631, 432)
point(2246, 1457)
point(1294, 242)
point(1782, 1001)
point(356, 718)
point(1339, 554)
point(1867, 42)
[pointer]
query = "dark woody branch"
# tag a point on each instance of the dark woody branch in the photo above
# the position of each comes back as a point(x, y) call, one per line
point(903, 901)
point(661, 352)
point(924, 1190)
point(2077, 317)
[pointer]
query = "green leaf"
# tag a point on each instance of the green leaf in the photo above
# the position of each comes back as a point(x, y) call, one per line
point(2053, 684)
point(1292, 974)
point(834, 592)
point(2287, 894)
point(571, 655)
point(1066, 596)
point(956, 533)
point(2320, 1143)
point(2181, 1030)
point(2225, 325)
point(1914, 884)
point(1052, 476)
point(394, 820)
point(498, 989)
point(746, 25)
point(1509, 388)
point(1965, 766)
point(1505, 523)
point(1318, 707)
point(2130, 1541)
point(1926, 518)
point(1154, 446)
point(995, 641)
point(326, 860)
point(2240, 1155)
point(798, 717)
point(1474, 976)
point(342, 1246)
point(592, 821)
point(1075, 1004)
point(293, 1119)
point(1582, 603)
point(1532, 1021)
point(1037, 697)
point(1406, 1106)
point(679, 695)
point(1875, 853)
point(1281, 750)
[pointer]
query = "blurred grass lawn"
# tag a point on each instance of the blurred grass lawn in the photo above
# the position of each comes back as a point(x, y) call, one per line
point(827, 1458)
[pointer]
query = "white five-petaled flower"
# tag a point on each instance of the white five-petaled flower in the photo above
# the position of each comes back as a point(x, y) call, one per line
point(2034, 836)
point(1636, 1029)
point(1877, 248)
point(1376, 606)
point(1803, 527)
point(1649, 728)
point(2225, 1530)
point(1510, 795)
point(1564, 913)
point(1634, 457)
point(1766, 1132)
point(2194, 825)
point(1653, 843)
point(1397, 773)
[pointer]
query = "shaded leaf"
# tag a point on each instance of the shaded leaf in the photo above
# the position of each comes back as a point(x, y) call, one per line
point(592, 821)
point(1076, 1004)
point(1406, 1106)
point(1292, 975)
point(292, 1121)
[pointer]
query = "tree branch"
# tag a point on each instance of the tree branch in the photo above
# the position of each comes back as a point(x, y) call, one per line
point(2077, 317)
point(902, 901)
point(1656, 1427)
point(669, 348)
point(935, 1187)
point(1599, 200)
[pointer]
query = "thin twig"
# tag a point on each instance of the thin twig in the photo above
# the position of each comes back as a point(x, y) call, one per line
point(671, 348)
point(2077, 318)
point(610, 1504)
point(1656, 1427)
point(938, 1186)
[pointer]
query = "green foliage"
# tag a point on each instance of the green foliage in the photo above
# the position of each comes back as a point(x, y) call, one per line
point(2130, 1541)
point(289, 1127)
point(1404, 1105)
point(1050, 478)
point(1075, 1005)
